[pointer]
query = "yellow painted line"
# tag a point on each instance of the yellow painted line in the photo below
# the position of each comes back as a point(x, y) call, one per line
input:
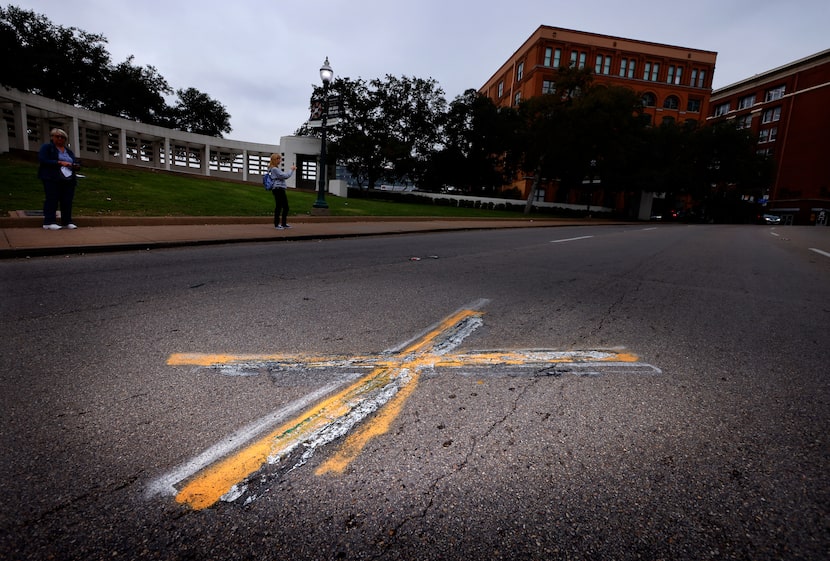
point(205, 359)
point(211, 484)
point(487, 358)
point(379, 425)
point(530, 358)
point(402, 368)
point(356, 442)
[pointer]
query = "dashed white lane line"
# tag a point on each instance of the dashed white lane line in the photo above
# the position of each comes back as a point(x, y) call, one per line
point(572, 239)
point(820, 252)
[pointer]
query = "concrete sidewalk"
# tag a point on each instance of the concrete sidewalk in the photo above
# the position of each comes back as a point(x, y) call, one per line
point(24, 236)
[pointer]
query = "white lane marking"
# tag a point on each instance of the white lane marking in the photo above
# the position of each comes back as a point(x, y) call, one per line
point(775, 234)
point(165, 485)
point(572, 239)
point(649, 229)
point(820, 252)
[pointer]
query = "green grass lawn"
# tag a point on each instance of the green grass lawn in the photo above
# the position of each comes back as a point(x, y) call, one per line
point(127, 192)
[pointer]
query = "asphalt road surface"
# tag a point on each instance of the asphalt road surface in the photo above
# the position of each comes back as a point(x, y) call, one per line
point(617, 392)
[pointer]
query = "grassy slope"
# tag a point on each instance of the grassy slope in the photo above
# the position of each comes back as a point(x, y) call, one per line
point(127, 192)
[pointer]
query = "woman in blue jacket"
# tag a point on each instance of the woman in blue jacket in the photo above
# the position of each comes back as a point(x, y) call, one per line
point(57, 172)
point(280, 198)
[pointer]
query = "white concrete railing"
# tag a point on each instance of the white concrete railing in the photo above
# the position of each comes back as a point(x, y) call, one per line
point(95, 136)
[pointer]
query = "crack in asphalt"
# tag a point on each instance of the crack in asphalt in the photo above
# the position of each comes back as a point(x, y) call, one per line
point(393, 532)
point(613, 306)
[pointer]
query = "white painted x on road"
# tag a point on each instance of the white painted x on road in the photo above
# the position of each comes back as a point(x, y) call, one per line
point(392, 378)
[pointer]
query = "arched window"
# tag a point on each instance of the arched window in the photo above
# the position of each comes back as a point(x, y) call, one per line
point(649, 100)
point(672, 102)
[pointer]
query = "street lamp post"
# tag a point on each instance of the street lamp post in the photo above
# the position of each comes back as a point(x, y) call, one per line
point(326, 74)
point(591, 186)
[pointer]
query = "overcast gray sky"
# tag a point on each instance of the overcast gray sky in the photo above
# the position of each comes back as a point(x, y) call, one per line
point(260, 58)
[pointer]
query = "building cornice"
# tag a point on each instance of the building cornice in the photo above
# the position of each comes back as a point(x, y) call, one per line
point(774, 74)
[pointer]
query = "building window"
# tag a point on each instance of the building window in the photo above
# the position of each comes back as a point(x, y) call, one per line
point(767, 135)
point(501, 89)
point(603, 65)
point(520, 70)
point(651, 71)
point(745, 121)
point(548, 87)
point(649, 99)
point(698, 78)
point(671, 102)
point(775, 93)
point(693, 106)
point(771, 115)
point(628, 67)
point(578, 59)
point(552, 57)
point(517, 98)
point(746, 101)
point(722, 109)
point(675, 75)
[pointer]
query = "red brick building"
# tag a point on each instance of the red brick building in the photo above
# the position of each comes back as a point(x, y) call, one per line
point(789, 109)
point(675, 82)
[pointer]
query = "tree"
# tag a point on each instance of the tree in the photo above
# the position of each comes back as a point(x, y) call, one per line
point(61, 63)
point(578, 131)
point(136, 93)
point(476, 135)
point(411, 109)
point(548, 144)
point(196, 112)
point(354, 141)
point(608, 130)
point(73, 66)
point(729, 171)
point(389, 128)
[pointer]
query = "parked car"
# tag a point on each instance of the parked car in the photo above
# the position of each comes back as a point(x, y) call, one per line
point(668, 216)
point(769, 219)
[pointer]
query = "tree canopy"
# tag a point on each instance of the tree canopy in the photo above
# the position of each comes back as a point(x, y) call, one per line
point(389, 130)
point(401, 129)
point(73, 66)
